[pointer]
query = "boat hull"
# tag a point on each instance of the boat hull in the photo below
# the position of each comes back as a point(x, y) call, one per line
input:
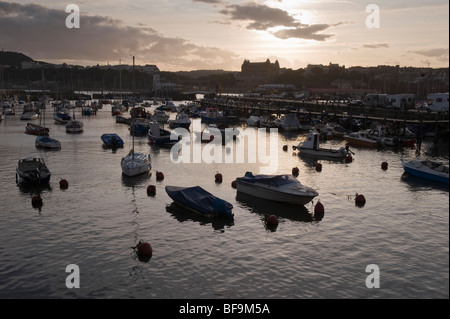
point(323, 153)
point(272, 194)
point(135, 165)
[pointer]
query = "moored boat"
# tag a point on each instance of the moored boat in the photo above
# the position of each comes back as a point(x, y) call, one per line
point(112, 140)
point(74, 125)
point(181, 120)
point(427, 169)
point(46, 142)
point(135, 163)
point(311, 146)
point(158, 135)
point(362, 139)
point(280, 188)
point(32, 171)
point(34, 129)
point(198, 200)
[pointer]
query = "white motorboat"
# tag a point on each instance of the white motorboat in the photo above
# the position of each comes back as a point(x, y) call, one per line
point(311, 146)
point(279, 188)
point(426, 169)
point(32, 171)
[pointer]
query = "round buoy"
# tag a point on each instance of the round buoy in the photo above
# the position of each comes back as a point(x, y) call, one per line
point(348, 159)
point(319, 209)
point(285, 148)
point(218, 178)
point(233, 184)
point(63, 184)
point(159, 176)
point(295, 171)
point(384, 165)
point(151, 190)
point(271, 221)
point(144, 249)
point(360, 200)
point(36, 201)
point(318, 167)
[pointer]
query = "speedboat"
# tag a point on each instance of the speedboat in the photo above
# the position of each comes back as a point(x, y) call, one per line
point(32, 171)
point(310, 146)
point(135, 163)
point(46, 142)
point(279, 188)
point(200, 201)
point(430, 170)
point(112, 140)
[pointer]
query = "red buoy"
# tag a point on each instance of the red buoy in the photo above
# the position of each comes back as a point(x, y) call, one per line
point(271, 221)
point(63, 184)
point(360, 200)
point(319, 209)
point(233, 184)
point(384, 165)
point(144, 249)
point(285, 148)
point(159, 176)
point(348, 159)
point(295, 171)
point(318, 167)
point(151, 190)
point(36, 201)
point(218, 178)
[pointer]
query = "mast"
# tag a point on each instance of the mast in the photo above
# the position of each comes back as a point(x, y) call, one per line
point(132, 101)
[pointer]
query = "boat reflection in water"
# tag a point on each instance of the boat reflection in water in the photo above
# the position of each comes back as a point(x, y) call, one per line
point(298, 213)
point(184, 215)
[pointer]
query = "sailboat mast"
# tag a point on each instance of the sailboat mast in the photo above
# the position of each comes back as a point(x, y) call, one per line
point(132, 101)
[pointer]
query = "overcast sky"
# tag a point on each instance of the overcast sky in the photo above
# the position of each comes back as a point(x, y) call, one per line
point(219, 34)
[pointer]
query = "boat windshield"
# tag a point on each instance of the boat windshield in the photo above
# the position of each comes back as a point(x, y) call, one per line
point(277, 180)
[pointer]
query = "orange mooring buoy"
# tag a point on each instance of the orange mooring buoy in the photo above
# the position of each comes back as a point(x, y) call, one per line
point(151, 190)
point(318, 167)
point(233, 184)
point(159, 176)
point(218, 178)
point(360, 200)
point(384, 165)
point(271, 221)
point(295, 171)
point(319, 211)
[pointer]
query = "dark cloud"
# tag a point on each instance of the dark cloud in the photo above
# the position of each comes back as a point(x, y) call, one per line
point(261, 17)
point(434, 53)
point(42, 34)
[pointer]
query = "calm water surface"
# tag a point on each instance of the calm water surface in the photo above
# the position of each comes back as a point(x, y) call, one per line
point(403, 228)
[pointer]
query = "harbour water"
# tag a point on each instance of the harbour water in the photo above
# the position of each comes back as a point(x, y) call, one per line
point(403, 228)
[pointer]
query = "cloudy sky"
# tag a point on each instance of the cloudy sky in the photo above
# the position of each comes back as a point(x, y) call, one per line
point(219, 34)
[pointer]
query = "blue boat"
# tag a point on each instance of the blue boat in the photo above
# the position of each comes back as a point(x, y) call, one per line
point(112, 140)
point(199, 201)
point(158, 135)
point(430, 170)
point(139, 127)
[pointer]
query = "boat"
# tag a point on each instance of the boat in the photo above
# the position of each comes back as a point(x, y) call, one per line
point(212, 115)
point(47, 142)
point(253, 120)
point(135, 163)
point(280, 188)
point(331, 130)
point(198, 200)
point(74, 125)
point(362, 139)
point(181, 120)
point(290, 123)
point(161, 116)
point(158, 135)
point(32, 171)
point(117, 109)
point(61, 117)
point(29, 112)
point(34, 129)
point(427, 169)
point(112, 140)
point(311, 146)
point(139, 126)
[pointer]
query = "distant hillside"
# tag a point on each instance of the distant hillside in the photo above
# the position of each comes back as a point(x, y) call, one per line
point(13, 58)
